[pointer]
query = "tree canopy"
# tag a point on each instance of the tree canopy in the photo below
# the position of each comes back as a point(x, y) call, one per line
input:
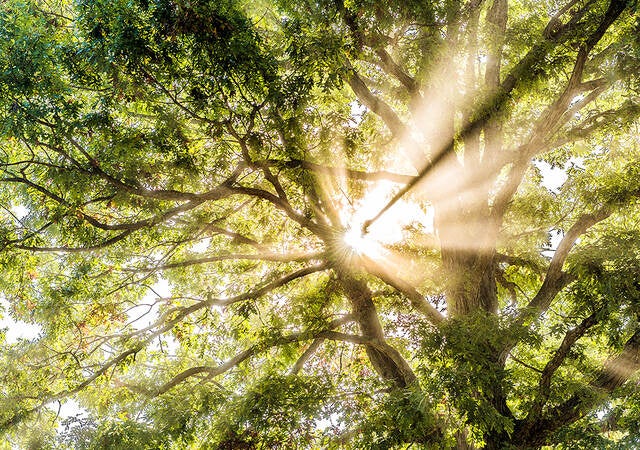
point(320, 224)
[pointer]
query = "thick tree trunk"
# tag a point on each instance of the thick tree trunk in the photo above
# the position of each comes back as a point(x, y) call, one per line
point(467, 244)
point(467, 253)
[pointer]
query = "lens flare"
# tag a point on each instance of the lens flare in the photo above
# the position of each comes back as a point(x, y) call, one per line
point(389, 230)
point(361, 243)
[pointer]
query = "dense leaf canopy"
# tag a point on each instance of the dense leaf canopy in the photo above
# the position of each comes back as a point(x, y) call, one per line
point(320, 224)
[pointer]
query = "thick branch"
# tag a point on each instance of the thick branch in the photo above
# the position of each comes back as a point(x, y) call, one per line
point(302, 360)
point(377, 106)
point(497, 24)
point(417, 300)
point(385, 359)
point(615, 372)
point(551, 118)
point(555, 278)
point(393, 68)
point(554, 364)
point(388, 116)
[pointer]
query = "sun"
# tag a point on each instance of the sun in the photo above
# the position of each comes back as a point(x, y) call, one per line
point(360, 242)
point(388, 230)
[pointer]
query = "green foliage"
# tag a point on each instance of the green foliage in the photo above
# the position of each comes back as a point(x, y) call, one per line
point(404, 416)
point(274, 410)
point(180, 181)
point(465, 372)
point(122, 434)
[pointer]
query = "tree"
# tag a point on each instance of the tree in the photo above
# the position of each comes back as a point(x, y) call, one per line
point(348, 203)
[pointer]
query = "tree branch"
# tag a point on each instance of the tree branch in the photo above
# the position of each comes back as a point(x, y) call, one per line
point(615, 372)
point(417, 300)
point(267, 256)
point(391, 67)
point(555, 279)
point(570, 338)
point(376, 105)
point(158, 194)
point(252, 351)
point(343, 171)
point(315, 345)
point(282, 205)
point(167, 322)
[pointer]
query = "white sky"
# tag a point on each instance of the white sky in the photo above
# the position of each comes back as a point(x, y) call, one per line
point(552, 177)
point(15, 329)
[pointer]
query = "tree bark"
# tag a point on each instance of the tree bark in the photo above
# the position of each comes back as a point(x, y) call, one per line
point(615, 372)
point(468, 259)
point(386, 360)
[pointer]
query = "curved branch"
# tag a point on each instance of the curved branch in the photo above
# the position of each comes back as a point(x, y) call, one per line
point(167, 322)
point(386, 113)
point(614, 373)
point(16, 418)
point(386, 360)
point(554, 363)
point(556, 114)
point(212, 372)
point(301, 361)
point(63, 249)
point(158, 194)
point(236, 237)
point(215, 194)
point(282, 205)
point(628, 112)
point(393, 68)
point(417, 300)
point(376, 105)
point(555, 279)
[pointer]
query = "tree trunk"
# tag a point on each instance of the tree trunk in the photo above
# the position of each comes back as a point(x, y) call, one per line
point(468, 253)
